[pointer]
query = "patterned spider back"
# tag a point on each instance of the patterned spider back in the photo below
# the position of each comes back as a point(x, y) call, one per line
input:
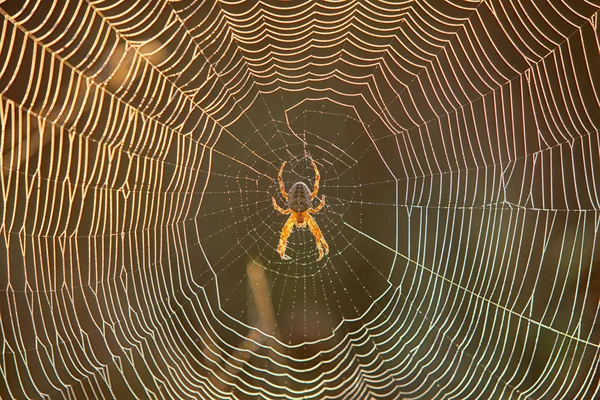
point(299, 197)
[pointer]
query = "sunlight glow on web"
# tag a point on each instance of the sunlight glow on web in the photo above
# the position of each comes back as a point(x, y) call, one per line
point(458, 149)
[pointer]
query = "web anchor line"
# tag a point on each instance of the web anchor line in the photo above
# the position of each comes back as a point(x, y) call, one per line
point(472, 293)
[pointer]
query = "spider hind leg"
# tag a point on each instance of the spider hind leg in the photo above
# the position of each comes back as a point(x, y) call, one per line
point(280, 179)
point(317, 179)
point(281, 210)
point(318, 208)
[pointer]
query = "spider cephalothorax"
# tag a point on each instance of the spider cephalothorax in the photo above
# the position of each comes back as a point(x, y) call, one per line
point(299, 206)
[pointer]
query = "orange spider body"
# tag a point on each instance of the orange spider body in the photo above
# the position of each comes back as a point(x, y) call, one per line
point(300, 219)
point(299, 206)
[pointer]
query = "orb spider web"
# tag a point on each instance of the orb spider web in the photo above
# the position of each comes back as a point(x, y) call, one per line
point(458, 147)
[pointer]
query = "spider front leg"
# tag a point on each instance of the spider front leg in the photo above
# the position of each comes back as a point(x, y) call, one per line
point(317, 179)
point(285, 234)
point(321, 243)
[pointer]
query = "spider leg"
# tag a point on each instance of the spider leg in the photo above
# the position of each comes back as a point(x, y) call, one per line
point(317, 179)
point(281, 210)
point(285, 233)
point(280, 178)
point(321, 243)
point(318, 208)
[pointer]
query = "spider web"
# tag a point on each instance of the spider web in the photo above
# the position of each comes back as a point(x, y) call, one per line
point(458, 149)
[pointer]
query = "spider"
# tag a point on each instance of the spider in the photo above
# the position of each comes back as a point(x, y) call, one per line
point(299, 206)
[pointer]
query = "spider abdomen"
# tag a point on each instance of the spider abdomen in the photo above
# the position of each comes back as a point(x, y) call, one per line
point(299, 197)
